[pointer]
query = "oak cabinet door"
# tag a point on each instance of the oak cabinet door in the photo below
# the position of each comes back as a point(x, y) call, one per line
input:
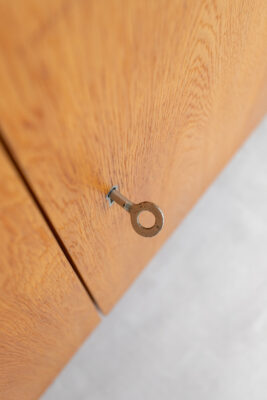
point(153, 96)
point(45, 313)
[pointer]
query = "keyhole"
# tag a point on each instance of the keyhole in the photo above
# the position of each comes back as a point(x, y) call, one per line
point(146, 219)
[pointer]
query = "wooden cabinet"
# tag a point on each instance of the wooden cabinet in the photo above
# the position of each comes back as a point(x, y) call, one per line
point(154, 96)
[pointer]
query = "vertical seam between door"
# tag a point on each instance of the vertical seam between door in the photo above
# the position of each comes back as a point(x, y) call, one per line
point(12, 156)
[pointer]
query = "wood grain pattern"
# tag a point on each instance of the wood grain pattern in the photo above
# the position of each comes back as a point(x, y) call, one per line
point(45, 313)
point(155, 96)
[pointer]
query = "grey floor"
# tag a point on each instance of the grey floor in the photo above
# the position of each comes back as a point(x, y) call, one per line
point(194, 324)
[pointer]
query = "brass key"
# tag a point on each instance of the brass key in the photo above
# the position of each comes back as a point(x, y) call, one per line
point(135, 210)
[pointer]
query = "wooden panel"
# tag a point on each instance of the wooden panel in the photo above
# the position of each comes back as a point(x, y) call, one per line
point(45, 313)
point(152, 95)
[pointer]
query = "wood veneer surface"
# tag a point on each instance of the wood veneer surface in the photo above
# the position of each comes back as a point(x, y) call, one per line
point(155, 96)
